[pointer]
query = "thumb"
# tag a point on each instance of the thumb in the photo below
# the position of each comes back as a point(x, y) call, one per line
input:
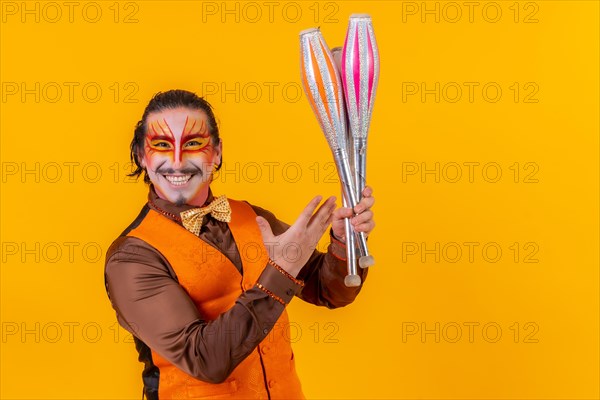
point(265, 229)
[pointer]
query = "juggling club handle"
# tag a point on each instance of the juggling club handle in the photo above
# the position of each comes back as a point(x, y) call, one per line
point(345, 173)
point(352, 279)
point(360, 165)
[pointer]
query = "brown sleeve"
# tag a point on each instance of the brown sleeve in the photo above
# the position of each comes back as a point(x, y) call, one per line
point(151, 304)
point(324, 273)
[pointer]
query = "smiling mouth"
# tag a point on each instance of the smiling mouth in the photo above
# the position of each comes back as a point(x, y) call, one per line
point(178, 180)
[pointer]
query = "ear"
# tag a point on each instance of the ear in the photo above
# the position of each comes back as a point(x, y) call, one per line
point(218, 153)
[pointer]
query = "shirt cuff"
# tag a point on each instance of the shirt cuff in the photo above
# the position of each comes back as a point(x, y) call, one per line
point(336, 247)
point(279, 284)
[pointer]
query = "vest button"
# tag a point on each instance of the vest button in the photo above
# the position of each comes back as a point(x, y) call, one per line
point(271, 383)
point(264, 349)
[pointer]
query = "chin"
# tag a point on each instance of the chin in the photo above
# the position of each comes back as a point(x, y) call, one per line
point(176, 197)
point(179, 201)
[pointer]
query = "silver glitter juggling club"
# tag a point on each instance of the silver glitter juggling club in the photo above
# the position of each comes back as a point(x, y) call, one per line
point(352, 279)
point(360, 74)
point(323, 88)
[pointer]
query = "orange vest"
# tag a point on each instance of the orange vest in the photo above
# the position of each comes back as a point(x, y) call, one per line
point(214, 284)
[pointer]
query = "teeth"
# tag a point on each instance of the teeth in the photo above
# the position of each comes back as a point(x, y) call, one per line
point(178, 180)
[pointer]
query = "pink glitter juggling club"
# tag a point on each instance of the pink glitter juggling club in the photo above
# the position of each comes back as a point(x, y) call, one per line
point(323, 87)
point(360, 75)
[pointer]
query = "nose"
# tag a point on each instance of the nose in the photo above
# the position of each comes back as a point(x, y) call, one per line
point(177, 164)
point(177, 159)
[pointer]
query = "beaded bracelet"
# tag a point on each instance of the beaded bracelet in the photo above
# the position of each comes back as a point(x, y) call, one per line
point(273, 295)
point(284, 272)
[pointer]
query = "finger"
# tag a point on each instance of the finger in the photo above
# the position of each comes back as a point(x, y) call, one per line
point(367, 191)
point(362, 218)
point(366, 227)
point(265, 229)
point(323, 213)
point(308, 211)
point(329, 220)
point(343, 212)
point(319, 232)
point(317, 229)
point(364, 204)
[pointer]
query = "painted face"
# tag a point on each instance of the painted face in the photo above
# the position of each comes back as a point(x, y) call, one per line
point(179, 155)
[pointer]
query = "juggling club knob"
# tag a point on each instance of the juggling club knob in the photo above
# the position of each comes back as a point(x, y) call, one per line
point(366, 261)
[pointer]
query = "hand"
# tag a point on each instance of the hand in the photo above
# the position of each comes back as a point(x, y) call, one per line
point(292, 249)
point(362, 222)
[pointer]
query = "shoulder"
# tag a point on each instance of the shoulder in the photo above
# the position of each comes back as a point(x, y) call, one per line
point(128, 248)
point(128, 253)
point(124, 245)
point(136, 222)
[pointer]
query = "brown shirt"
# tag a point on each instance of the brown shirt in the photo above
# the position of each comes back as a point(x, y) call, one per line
point(150, 303)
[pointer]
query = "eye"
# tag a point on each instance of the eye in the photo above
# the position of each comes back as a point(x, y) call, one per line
point(160, 144)
point(195, 144)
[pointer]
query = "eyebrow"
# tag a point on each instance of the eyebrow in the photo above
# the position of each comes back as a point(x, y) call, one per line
point(189, 137)
point(161, 137)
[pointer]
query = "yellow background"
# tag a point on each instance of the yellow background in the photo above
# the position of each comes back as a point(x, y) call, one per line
point(59, 338)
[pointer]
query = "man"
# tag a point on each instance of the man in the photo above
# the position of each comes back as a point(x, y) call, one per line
point(202, 282)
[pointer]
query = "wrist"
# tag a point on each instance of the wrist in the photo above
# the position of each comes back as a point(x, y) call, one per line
point(276, 285)
point(336, 239)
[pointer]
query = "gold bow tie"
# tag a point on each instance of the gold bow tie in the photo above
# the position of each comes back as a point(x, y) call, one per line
point(218, 208)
